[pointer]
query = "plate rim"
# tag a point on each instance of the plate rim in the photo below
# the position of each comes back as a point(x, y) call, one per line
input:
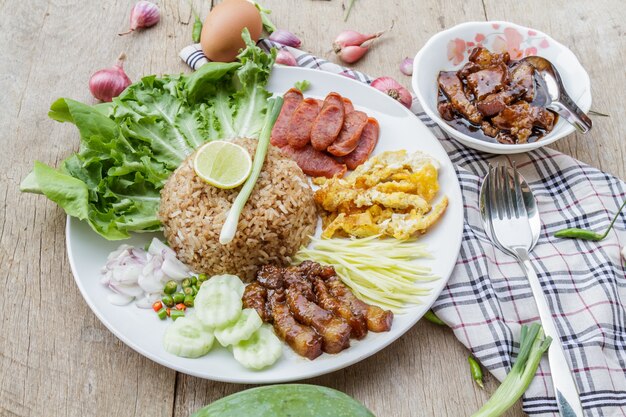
point(436, 291)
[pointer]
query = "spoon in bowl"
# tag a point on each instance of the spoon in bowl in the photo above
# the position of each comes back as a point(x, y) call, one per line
point(556, 97)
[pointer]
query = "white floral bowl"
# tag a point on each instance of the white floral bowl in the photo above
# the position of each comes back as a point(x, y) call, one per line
point(449, 49)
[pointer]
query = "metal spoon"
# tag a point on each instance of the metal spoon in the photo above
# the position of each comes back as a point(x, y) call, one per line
point(511, 219)
point(557, 98)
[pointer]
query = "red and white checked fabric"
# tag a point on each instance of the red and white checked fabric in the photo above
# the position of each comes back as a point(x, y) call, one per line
point(488, 298)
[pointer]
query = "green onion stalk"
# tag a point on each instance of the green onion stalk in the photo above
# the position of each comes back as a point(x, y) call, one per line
point(230, 225)
point(532, 347)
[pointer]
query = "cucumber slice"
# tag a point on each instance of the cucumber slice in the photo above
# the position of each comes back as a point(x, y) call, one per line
point(217, 305)
point(187, 337)
point(260, 350)
point(245, 326)
point(231, 281)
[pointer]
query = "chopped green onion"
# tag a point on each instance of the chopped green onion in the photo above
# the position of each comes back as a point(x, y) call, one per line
point(170, 287)
point(178, 297)
point(168, 300)
point(532, 347)
point(432, 317)
point(379, 271)
point(162, 313)
point(176, 314)
point(188, 301)
point(230, 225)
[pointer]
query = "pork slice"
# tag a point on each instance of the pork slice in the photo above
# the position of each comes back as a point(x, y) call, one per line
point(451, 85)
point(522, 76)
point(334, 330)
point(482, 57)
point(495, 103)
point(487, 81)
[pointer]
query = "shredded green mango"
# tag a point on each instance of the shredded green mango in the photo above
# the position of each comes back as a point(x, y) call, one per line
point(379, 271)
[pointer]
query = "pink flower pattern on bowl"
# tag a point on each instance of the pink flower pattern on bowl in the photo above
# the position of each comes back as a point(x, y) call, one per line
point(508, 40)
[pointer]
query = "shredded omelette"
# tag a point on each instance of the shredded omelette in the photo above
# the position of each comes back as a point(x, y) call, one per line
point(390, 194)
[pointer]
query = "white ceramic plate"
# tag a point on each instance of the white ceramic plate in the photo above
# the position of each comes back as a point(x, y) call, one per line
point(141, 329)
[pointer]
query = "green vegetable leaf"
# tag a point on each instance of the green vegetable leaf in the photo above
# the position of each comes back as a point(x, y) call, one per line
point(129, 148)
point(302, 85)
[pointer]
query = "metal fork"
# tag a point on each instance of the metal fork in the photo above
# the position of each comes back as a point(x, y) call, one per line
point(511, 219)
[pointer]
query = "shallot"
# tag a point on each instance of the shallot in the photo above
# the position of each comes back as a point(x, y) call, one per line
point(393, 89)
point(143, 15)
point(135, 274)
point(350, 46)
point(284, 37)
point(109, 82)
point(406, 66)
point(285, 57)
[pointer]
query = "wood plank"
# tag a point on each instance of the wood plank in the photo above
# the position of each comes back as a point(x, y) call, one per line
point(55, 355)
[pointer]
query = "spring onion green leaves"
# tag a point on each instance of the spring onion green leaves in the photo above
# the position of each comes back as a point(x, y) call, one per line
point(378, 271)
point(232, 219)
point(532, 347)
point(128, 148)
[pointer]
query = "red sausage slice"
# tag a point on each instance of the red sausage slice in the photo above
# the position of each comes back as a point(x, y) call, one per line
point(315, 163)
point(328, 122)
point(348, 138)
point(292, 99)
point(301, 123)
point(367, 143)
point(347, 105)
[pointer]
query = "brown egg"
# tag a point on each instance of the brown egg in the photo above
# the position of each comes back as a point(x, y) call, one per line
point(221, 32)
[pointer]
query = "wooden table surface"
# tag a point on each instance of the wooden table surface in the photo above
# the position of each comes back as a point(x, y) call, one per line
point(57, 359)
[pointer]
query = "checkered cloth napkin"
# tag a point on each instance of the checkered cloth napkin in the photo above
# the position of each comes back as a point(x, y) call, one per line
point(488, 298)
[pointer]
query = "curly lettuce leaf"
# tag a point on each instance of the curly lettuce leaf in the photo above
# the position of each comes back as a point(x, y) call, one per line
point(129, 148)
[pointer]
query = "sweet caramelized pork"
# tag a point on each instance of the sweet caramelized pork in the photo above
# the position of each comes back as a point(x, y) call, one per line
point(487, 81)
point(301, 338)
point(492, 96)
point(329, 302)
point(452, 87)
point(520, 118)
point(311, 309)
point(378, 320)
point(255, 296)
point(334, 330)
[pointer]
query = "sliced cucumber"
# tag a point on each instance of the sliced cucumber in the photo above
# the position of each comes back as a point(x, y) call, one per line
point(245, 326)
point(231, 281)
point(188, 338)
point(262, 349)
point(217, 305)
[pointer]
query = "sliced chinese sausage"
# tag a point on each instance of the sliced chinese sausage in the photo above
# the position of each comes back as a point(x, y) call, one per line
point(348, 138)
point(328, 122)
point(301, 123)
point(367, 143)
point(347, 105)
point(292, 100)
point(315, 163)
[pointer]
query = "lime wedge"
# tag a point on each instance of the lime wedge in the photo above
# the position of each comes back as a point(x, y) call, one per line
point(222, 164)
